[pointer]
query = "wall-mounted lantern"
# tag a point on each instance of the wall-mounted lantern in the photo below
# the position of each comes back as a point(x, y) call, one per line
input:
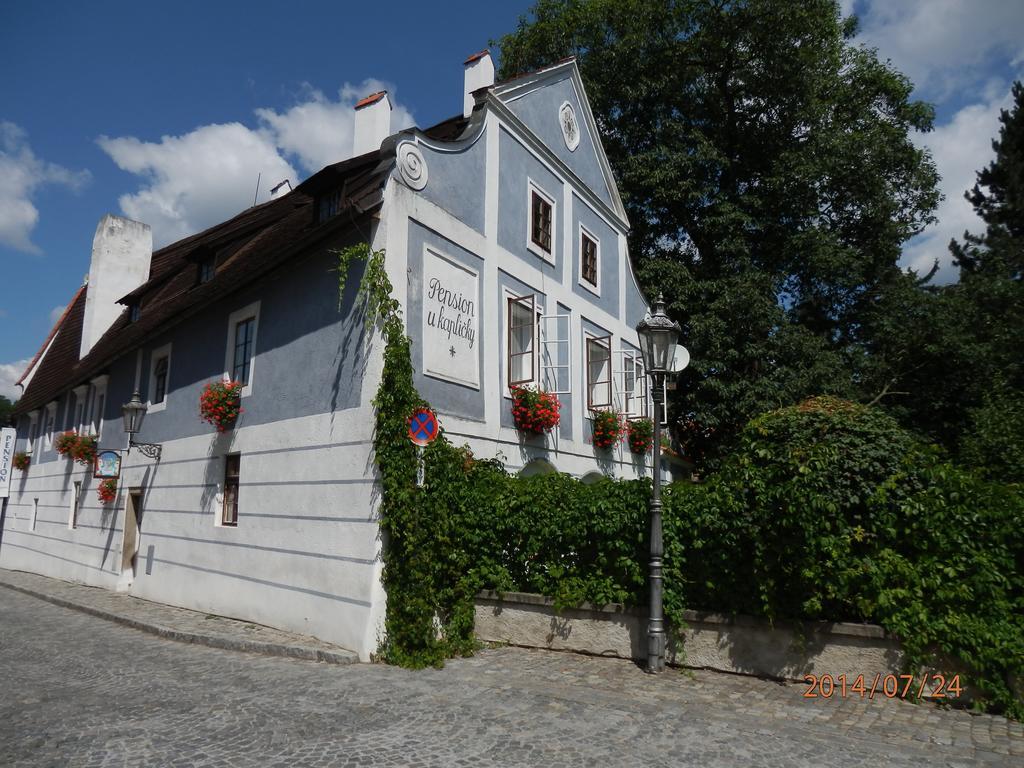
point(134, 411)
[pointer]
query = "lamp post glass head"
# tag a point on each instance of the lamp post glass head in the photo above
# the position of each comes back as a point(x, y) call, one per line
point(134, 411)
point(658, 336)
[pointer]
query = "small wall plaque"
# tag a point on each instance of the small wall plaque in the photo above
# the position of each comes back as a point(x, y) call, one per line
point(107, 464)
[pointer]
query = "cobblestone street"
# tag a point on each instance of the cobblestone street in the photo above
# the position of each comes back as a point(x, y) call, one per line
point(79, 691)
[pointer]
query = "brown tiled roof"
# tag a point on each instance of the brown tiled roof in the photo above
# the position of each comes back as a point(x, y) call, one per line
point(51, 377)
point(53, 331)
point(477, 55)
point(248, 246)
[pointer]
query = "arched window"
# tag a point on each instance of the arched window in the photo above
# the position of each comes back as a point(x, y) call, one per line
point(537, 467)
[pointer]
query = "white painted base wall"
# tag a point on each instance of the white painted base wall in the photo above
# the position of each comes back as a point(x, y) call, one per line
point(305, 555)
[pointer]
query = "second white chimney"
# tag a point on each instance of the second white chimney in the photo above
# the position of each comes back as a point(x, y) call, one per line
point(479, 74)
point(372, 124)
point(121, 252)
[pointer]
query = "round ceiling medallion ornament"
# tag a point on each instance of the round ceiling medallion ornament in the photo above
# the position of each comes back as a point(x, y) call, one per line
point(570, 128)
point(411, 165)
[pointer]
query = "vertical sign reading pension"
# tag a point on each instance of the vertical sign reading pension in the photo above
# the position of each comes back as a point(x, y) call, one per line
point(451, 320)
point(7, 438)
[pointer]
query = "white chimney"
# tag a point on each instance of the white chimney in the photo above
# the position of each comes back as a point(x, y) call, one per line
point(479, 74)
point(281, 190)
point(373, 123)
point(121, 251)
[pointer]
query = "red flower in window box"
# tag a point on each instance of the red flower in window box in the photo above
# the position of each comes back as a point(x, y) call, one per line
point(534, 412)
point(640, 435)
point(607, 428)
point(65, 442)
point(107, 490)
point(21, 460)
point(221, 403)
point(83, 450)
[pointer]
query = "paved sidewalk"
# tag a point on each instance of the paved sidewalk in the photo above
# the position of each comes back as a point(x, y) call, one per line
point(80, 692)
point(176, 623)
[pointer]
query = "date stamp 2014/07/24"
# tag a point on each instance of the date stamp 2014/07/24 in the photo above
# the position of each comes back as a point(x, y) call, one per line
point(890, 686)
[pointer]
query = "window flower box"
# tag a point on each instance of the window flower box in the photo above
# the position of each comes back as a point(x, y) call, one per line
point(607, 428)
point(65, 442)
point(535, 412)
point(221, 403)
point(83, 450)
point(107, 490)
point(640, 435)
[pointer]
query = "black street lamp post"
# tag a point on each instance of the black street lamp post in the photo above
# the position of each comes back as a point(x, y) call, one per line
point(134, 411)
point(658, 336)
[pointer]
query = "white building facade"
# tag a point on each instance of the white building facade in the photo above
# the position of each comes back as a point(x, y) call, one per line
point(505, 242)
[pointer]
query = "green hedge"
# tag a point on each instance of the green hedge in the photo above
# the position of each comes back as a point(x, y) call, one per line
point(827, 510)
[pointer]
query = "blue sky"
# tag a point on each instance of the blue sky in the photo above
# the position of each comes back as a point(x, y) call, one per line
point(167, 113)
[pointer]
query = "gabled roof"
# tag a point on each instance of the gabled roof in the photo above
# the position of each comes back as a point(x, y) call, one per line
point(248, 246)
point(57, 355)
point(512, 88)
point(72, 306)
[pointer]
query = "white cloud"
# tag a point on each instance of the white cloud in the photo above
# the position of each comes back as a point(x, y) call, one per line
point(10, 373)
point(21, 175)
point(961, 148)
point(318, 131)
point(196, 180)
point(943, 46)
point(56, 312)
point(193, 181)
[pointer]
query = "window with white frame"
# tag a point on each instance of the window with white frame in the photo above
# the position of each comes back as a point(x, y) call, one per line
point(590, 268)
point(76, 496)
point(232, 476)
point(33, 431)
point(542, 222)
point(159, 378)
point(240, 358)
point(599, 372)
point(631, 384)
point(49, 425)
point(522, 337)
point(99, 404)
point(80, 392)
point(555, 353)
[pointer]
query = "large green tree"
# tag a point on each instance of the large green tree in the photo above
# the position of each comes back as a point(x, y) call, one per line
point(767, 169)
point(954, 355)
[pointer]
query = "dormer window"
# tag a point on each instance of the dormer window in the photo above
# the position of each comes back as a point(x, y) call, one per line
point(330, 204)
point(134, 312)
point(207, 269)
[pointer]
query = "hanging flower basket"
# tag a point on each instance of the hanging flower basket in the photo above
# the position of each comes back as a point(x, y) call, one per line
point(607, 428)
point(21, 460)
point(535, 412)
point(65, 442)
point(640, 435)
point(107, 490)
point(84, 450)
point(221, 403)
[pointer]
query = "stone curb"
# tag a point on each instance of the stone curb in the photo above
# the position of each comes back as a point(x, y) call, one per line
point(305, 652)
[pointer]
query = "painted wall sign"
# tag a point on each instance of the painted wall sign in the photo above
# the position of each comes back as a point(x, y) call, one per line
point(451, 320)
point(7, 438)
point(107, 464)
